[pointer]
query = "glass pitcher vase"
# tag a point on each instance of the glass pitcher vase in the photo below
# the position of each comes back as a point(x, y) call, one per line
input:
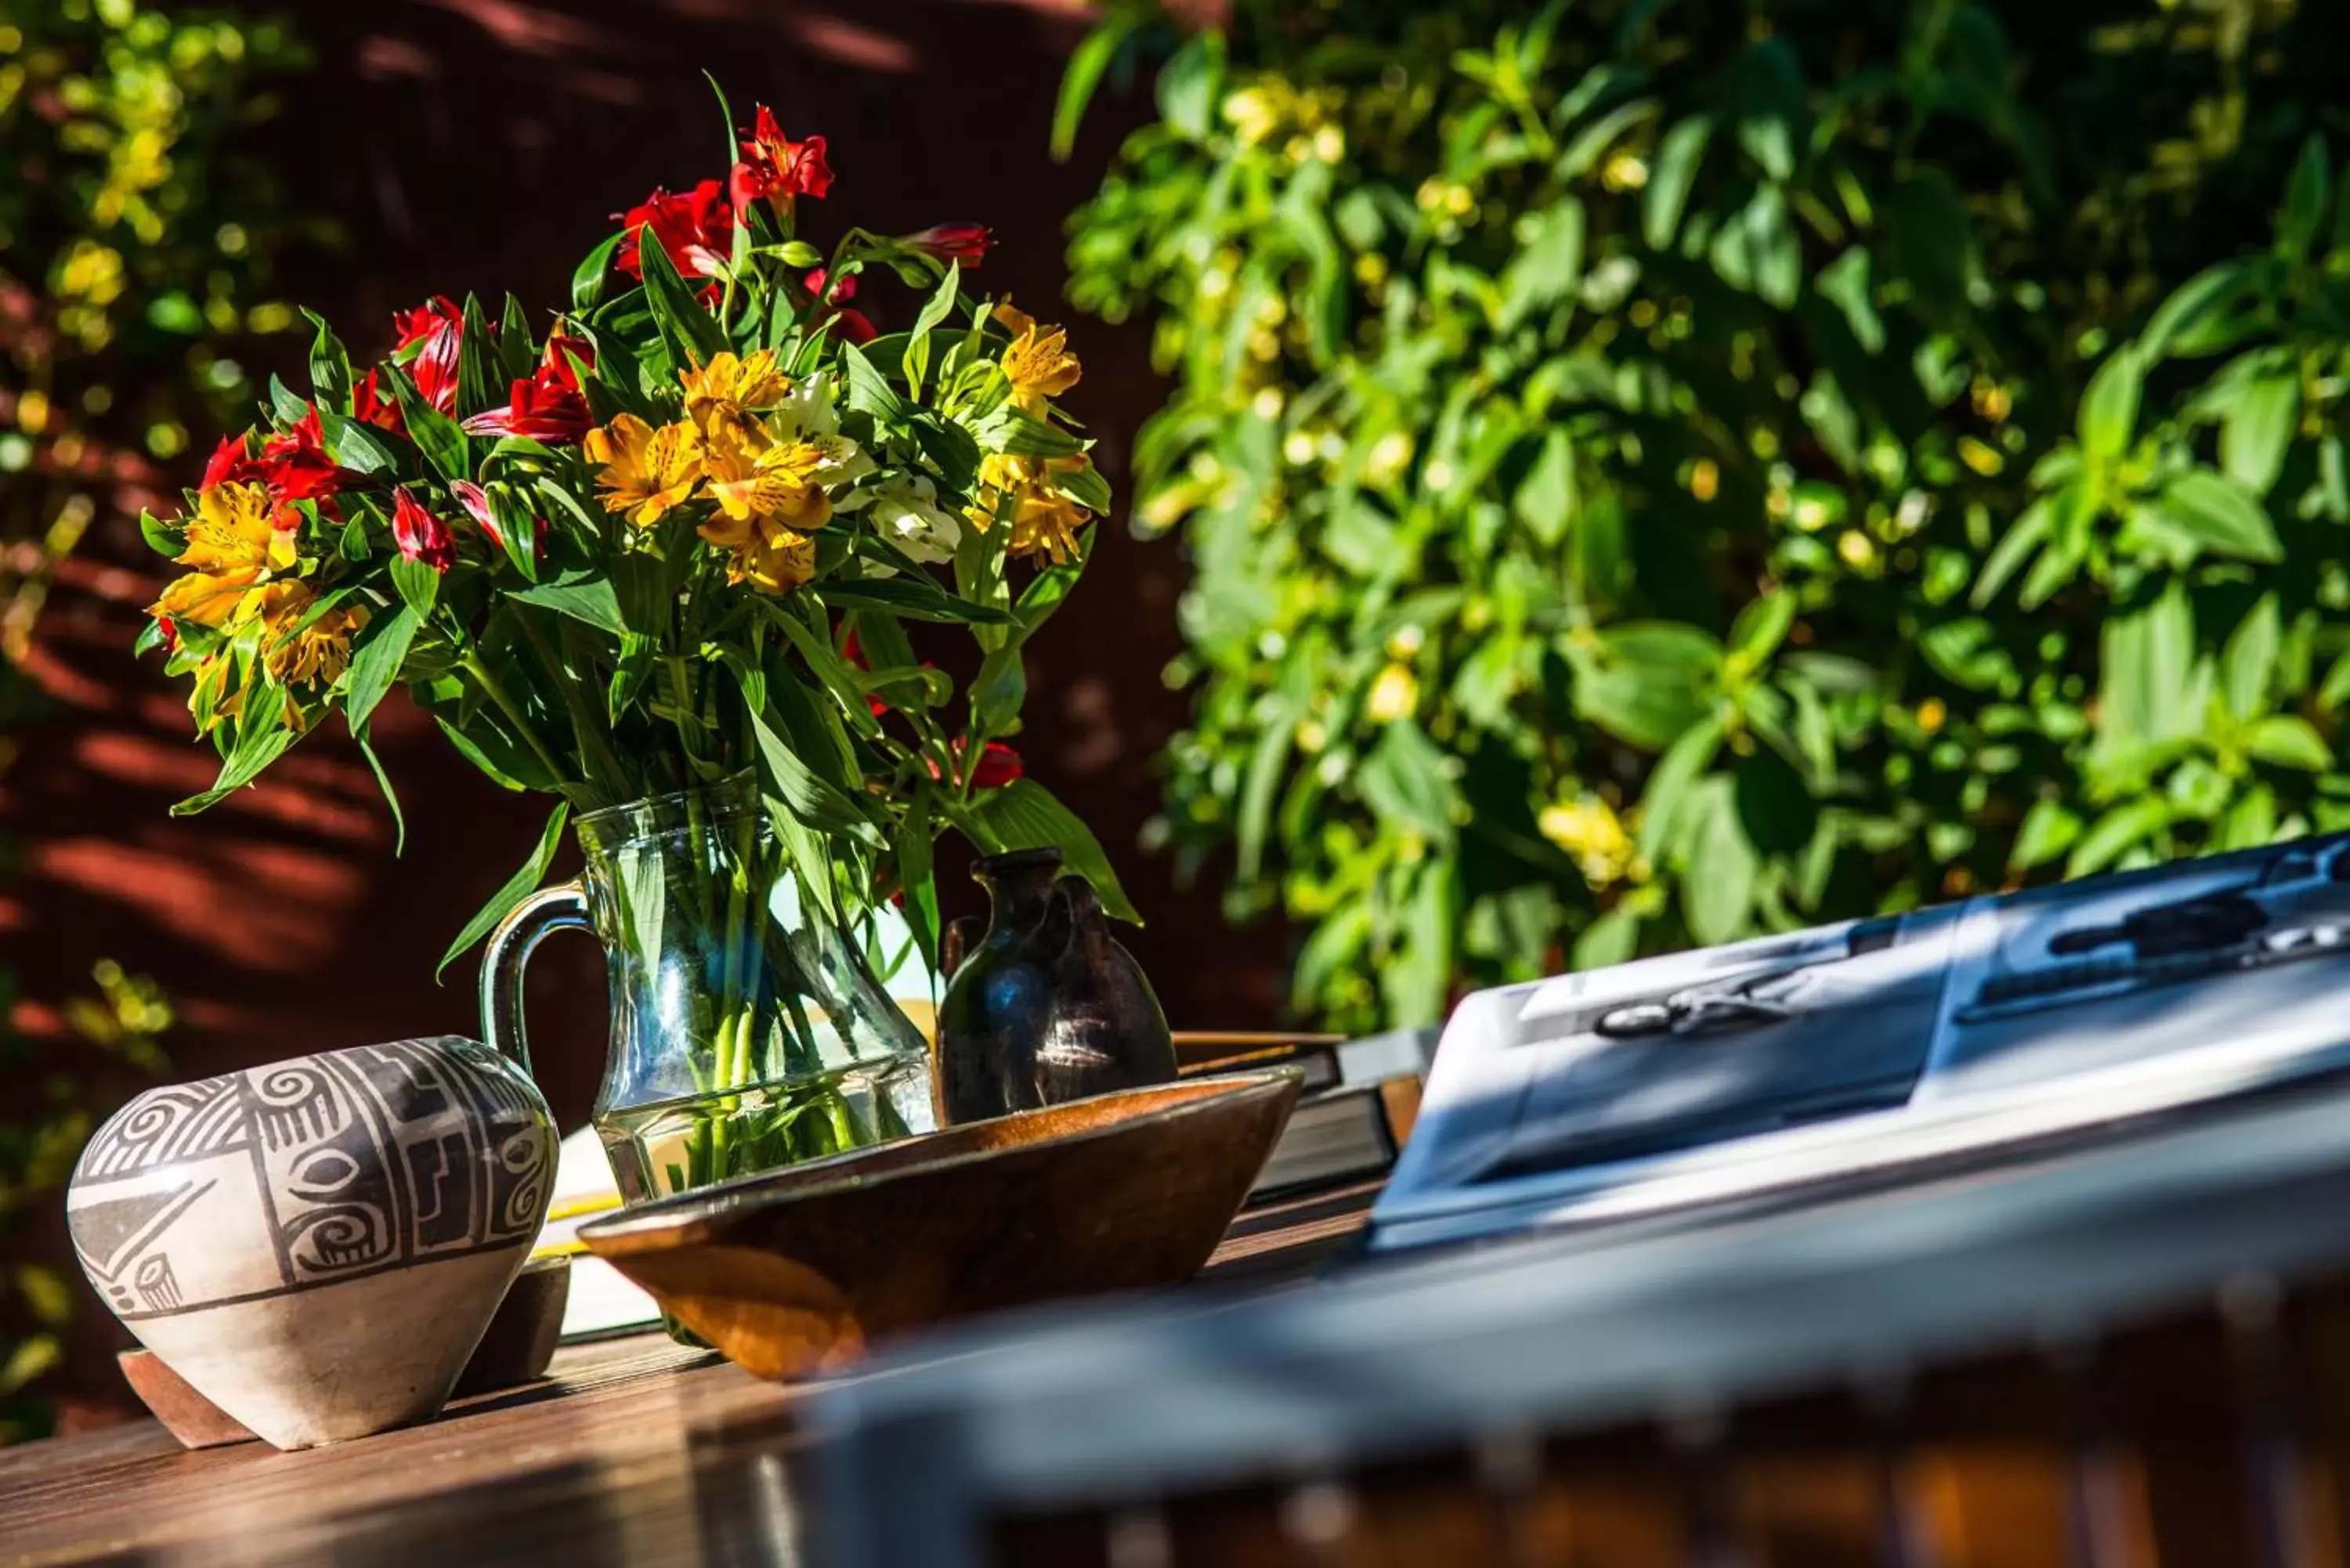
point(748, 1029)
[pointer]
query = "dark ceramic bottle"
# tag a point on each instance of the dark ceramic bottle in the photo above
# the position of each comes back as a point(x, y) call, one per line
point(1046, 1006)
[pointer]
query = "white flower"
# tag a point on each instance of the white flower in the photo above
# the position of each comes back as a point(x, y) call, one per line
point(905, 511)
point(807, 414)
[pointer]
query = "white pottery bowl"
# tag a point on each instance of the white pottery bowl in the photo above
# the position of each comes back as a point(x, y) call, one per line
point(318, 1245)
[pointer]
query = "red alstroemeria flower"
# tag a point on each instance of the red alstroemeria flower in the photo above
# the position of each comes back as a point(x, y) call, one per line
point(295, 465)
point(169, 630)
point(561, 349)
point(776, 168)
point(998, 765)
point(371, 404)
point(543, 409)
point(440, 325)
point(477, 503)
point(966, 243)
point(421, 535)
point(695, 230)
point(231, 462)
point(855, 325)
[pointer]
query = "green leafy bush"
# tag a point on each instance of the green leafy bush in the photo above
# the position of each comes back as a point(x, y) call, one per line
point(134, 248)
point(1629, 460)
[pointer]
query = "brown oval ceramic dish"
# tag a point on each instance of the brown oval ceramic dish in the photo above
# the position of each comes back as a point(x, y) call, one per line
point(797, 1271)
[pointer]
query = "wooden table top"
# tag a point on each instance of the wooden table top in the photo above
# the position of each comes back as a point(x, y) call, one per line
point(633, 1451)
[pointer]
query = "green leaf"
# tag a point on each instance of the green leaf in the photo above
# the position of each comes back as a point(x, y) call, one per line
point(1762, 626)
point(2116, 832)
point(2250, 659)
point(1718, 881)
point(520, 885)
point(935, 309)
point(1612, 939)
point(284, 405)
point(1548, 268)
point(1088, 64)
point(255, 749)
point(419, 585)
point(915, 597)
point(2289, 740)
point(1668, 786)
point(1190, 84)
point(1404, 780)
point(2304, 201)
point(163, 538)
point(1847, 283)
point(869, 389)
point(444, 446)
point(584, 596)
point(630, 670)
point(1009, 431)
point(693, 334)
point(998, 691)
point(330, 368)
point(355, 446)
point(375, 667)
point(1022, 814)
point(2336, 686)
point(809, 797)
point(391, 796)
point(478, 385)
point(2219, 513)
point(2194, 319)
point(2048, 830)
point(918, 875)
point(2259, 426)
point(1648, 680)
point(2109, 407)
point(1545, 502)
point(1770, 91)
point(587, 279)
point(1671, 178)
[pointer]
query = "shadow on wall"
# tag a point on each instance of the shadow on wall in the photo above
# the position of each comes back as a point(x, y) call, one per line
point(482, 145)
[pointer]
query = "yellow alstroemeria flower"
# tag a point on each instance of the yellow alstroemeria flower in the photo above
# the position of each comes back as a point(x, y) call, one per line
point(773, 560)
point(645, 471)
point(729, 387)
point(234, 545)
point(298, 655)
point(1044, 520)
point(776, 482)
point(1038, 363)
point(1046, 523)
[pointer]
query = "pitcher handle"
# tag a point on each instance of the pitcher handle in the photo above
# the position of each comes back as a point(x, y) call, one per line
point(560, 908)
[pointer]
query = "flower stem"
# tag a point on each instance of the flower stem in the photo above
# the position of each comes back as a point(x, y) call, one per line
point(471, 664)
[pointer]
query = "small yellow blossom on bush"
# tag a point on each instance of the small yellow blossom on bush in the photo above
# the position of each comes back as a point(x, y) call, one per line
point(1394, 695)
point(1589, 831)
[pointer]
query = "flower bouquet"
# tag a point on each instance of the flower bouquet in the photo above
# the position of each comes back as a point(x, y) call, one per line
point(666, 557)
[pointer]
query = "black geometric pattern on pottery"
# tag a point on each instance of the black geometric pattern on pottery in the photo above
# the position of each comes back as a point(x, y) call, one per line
point(182, 1122)
point(106, 1234)
point(369, 1185)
